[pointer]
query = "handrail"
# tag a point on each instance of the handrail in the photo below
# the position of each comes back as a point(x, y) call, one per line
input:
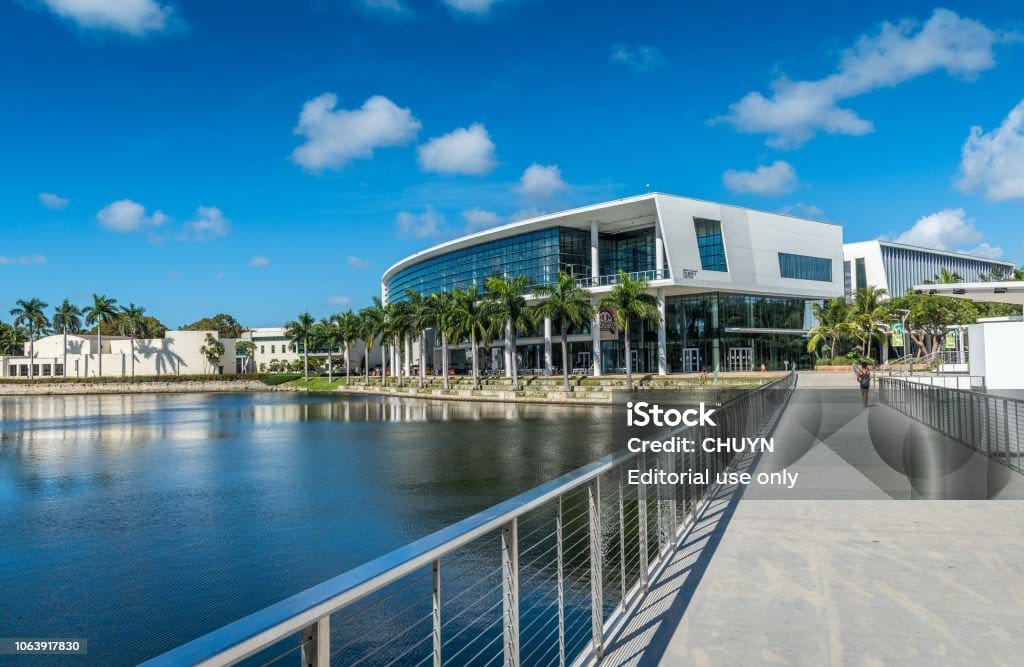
point(613, 278)
point(302, 611)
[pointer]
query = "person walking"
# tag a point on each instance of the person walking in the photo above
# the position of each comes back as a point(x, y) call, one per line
point(864, 379)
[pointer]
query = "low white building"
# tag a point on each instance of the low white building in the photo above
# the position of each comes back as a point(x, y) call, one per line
point(177, 353)
point(271, 344)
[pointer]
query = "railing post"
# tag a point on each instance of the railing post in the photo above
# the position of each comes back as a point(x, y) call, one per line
point(596, 569)
point(437, 613)
point(622, 537)
point(641, 522)
point(510, 591)
point(316, 643)
point(561, 585)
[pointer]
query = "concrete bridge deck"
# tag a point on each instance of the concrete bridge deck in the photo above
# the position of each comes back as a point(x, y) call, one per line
point(885, 553)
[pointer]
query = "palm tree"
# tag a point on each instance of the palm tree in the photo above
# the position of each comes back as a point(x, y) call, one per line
point(300, 330)
point(372, 324)
point(567, 304)
point(469, 319)
point(29, 314)
point(133, 323)
point(945, 277)
point(422, 318)
point(869, 314)
point(629, 301)
point(12, 339)
point(246, 348)
point(401, 323)
point(67, 318)
point(103, 309)
point(442, 304)
point(833, 323)
point(505, 303)
point(349, 327)
point(327, 334)
point(213, 350)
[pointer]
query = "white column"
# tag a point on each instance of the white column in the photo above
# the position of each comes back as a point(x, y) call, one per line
point(408, 355)
point(595, 255)
point(662, 352)
point(508, 348)
point(595, 331)
point(547, 346)
point(659, 251)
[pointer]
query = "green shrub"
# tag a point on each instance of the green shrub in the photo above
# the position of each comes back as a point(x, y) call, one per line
point(275, 379)
point(40, 379)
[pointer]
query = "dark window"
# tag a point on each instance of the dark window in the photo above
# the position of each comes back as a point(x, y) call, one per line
point(847, 279)
point(803, 267)
point(710, 245)
point(862, 274)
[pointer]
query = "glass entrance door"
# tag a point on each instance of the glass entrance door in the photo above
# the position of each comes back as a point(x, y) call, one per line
point(740, 358)
point(691, 360)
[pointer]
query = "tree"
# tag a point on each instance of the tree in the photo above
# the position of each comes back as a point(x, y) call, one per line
point(327, 335)
point(67, 318)
point(133, 324)
point(246, 349)
point(869, 314)
point(29, 314)
point(629, 301)
point(225, 325)
point(115, 326)
point(12, 339)
point(212, 349)
point(469, 319)
point(300, 330)
point(567, 304)
point(401, 324)
point(945, 277)
point(421, 317)
point(930, 315)
point(371, 325)
point(442, 304)
point(348, 330)
point(103, 309)
point(834, 323)
point(505, 303)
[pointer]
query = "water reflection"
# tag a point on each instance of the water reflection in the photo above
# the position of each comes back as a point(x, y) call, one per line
point(179, 513)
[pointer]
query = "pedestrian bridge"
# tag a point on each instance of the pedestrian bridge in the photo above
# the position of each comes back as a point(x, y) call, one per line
point(886, 551)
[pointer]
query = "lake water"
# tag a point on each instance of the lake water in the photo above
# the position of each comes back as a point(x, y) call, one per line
point(140, 522)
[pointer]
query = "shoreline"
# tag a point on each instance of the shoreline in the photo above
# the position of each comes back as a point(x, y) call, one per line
point(149, 387)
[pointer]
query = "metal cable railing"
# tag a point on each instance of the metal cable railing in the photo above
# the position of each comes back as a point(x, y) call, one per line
point(547, 577)
point(990, 425)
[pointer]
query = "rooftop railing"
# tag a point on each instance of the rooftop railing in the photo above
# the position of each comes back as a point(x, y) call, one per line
point(990, 425)
point(546, 577)
point(613, 278)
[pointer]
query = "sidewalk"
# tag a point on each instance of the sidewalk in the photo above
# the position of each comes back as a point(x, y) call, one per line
point(848, 572)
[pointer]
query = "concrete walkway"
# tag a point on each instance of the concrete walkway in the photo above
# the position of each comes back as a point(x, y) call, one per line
point(858, 564)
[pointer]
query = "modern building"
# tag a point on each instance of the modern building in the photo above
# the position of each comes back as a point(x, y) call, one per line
point(898, 267)
point(177, 353)
point(735, 286)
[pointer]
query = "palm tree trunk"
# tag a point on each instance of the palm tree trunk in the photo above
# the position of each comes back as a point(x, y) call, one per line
point(476, 371)
point(99, 345)
point(383, 363)
point(65, 350)
point(330, 364)
point(565, 356)
point(423, 353)
point(629, 365)
point(31, 354)
point(132, 349)
point(366, 363)
point(305, 358)
point(444, 359)
point(348, 366)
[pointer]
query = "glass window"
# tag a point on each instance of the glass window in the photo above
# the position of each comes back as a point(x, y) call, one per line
point(710, 244)
point(862, 275)
point(803, 267)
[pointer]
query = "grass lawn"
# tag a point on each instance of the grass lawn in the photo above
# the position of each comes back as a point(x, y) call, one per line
point(318, 384)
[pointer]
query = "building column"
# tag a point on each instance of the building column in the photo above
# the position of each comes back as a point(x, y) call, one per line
point(595, 331)
point(662, 351)
point(408, 355)
point(715, 342)
point(547, 346)
point(595, 254)
point(508, 348)
point(659, 251)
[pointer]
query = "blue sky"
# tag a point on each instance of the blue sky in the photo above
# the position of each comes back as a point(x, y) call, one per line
point(265, 158)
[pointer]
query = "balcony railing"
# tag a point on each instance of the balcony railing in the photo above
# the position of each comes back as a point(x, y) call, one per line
point(613, 278)
point(547, 577)
point(990, 425)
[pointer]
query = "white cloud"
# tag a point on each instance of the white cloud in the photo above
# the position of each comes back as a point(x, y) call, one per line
point(525, 214)
point(392, 7)
point(358, 263)
point(339, 301)
point(473, 7)
point(775, 179)
point(796, 110)
point(259, 262)
point(411, 225)
point(949, 230)
point(639, 58)
point(541, 180)
point(994, 161)
point(802, 210)
point(126, 215)
point(53, 202)
point(478, 218)
point(134, 17)
point(209, 224)
point(23, 260)
point(467, 150)
point(334, 137)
